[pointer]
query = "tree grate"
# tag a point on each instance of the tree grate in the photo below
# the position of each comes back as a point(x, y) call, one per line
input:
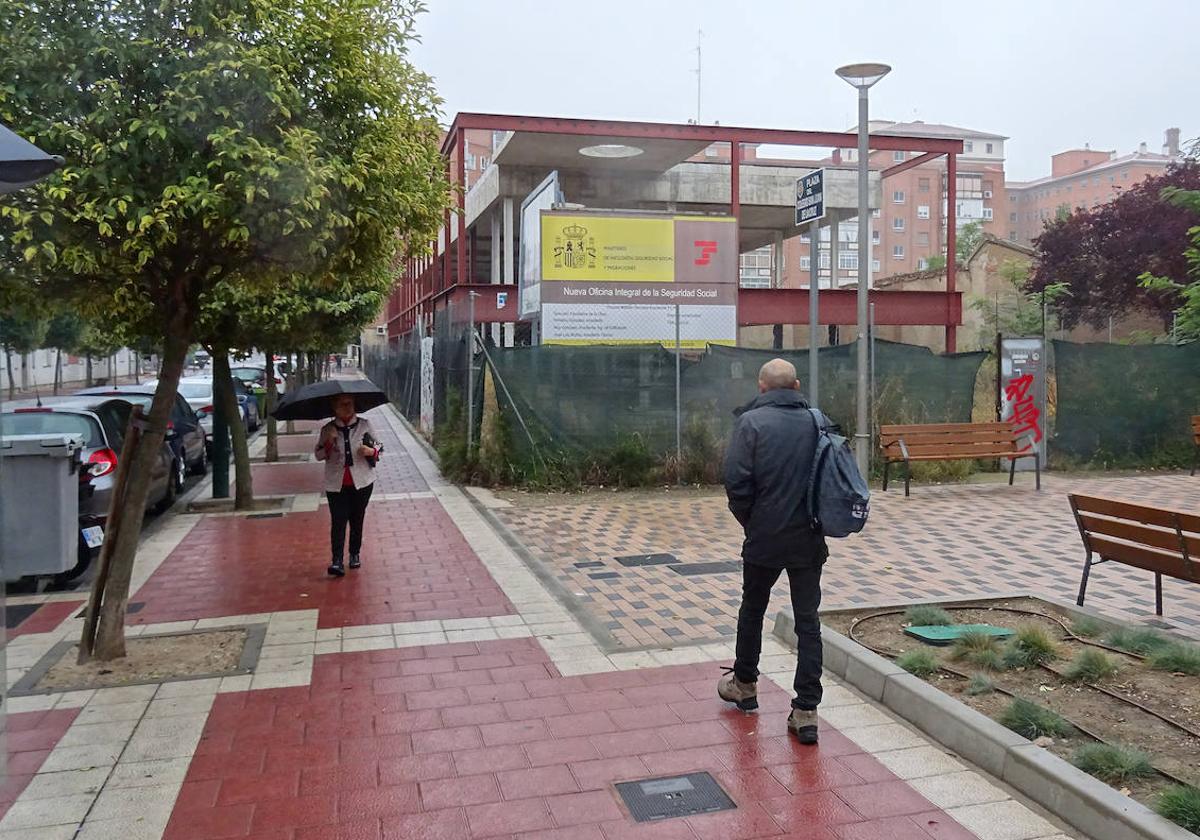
point(649, 800)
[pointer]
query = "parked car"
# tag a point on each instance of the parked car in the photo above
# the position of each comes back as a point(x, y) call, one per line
point(198, 391)
point(256, 375)
point(185, 433)
point(101, 422)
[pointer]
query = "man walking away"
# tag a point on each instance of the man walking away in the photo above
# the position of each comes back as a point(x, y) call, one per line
point(767, 468)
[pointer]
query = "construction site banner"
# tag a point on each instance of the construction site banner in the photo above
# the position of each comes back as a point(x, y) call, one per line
point(616, 278)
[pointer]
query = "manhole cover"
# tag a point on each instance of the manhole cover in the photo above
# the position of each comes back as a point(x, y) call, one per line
point(674, 796)
point(714, 568)
point(657, 559)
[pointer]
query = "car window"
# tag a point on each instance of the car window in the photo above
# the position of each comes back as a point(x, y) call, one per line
point(195, 390)
point(183, 412)
point(52, 423)
point(114, 417)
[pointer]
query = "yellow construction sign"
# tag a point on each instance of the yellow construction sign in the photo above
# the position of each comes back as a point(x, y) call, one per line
point(599, 248)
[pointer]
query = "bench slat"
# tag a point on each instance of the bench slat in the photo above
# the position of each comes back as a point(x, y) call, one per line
point(1150, 559)
point(941, 427)
point(954, 450)
point(1162, 517)
point(916, 439)
point(1168, 540)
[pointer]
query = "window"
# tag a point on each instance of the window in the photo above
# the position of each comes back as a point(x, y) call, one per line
point(898, 157)
point(712, 151)
point(922, 211)
point(874, 265)
point(923, 238)
point(987, 214)
point(922, 185)
point(805, 238)
point(1012, 218)
point(922, 264)
point(1012, 236)
point(897, 196)
point(876, 213)
point(898, 223)
point(897, 252)
point(848, 261)
point(470, 161)
point(498, 139)
point(875, 237)
point(805, 263)
point(755, 268)
point(484, 160)
point(968, 146)
point(823, 260)
point(989, 148)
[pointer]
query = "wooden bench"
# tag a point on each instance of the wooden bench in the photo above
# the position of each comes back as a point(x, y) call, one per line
point(954, 442)
point(1196, 440)
point(1159, 540)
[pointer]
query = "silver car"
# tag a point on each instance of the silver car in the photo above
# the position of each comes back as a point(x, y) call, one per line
point(101, 422)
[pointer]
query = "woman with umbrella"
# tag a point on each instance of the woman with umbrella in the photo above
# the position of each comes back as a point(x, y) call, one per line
point(349, 448)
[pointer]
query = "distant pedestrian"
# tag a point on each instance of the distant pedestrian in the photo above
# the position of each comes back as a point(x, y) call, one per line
point(349, 449)
point(767, 468)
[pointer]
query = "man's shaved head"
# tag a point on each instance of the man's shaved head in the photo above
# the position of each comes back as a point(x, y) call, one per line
point(778, 374)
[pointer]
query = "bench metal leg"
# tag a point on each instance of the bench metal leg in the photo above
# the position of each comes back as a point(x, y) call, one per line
point(887, 468)
point(907, 478)
point(1087, 568)
point(1012, 470)
point(1037, 469)
point(1158, 594)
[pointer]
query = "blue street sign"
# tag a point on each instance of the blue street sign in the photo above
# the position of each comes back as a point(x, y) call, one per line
point(810, 197)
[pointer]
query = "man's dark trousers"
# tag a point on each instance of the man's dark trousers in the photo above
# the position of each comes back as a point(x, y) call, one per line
point(804, 582)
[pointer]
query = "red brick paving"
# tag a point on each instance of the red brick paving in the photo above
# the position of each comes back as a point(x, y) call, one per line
point(29, 739)
point(46, 618)
point(286, 478)
point(416, 566)
point(375, 749)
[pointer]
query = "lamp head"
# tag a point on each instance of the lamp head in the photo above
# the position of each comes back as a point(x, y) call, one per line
point(863, 75)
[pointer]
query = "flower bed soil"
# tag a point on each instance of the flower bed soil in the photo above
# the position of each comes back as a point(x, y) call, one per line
point(1176, 696)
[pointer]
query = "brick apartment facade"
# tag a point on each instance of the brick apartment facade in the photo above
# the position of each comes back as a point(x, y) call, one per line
point(1080, 178)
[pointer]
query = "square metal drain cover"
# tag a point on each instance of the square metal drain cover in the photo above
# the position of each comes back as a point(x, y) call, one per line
point(656, 559)
point(717, 567)
point(674, 796)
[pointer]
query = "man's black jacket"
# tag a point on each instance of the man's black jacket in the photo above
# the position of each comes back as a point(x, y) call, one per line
point(767, 467)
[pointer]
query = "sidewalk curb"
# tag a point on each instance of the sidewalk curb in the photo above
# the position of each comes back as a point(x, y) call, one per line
point(1083, 802)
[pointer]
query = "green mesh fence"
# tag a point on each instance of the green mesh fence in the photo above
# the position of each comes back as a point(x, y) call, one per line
point(1120, 405)
point(593, 398)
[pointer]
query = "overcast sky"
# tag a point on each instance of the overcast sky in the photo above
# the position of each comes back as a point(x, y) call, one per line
point(1050, 74)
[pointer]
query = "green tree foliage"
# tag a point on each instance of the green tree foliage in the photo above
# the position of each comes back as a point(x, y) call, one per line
point(1187, 316)
point(209, 142)
point(967, 240)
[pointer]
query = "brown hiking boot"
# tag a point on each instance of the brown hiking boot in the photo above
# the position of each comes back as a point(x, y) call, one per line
point(733, 690)
point(804, 725)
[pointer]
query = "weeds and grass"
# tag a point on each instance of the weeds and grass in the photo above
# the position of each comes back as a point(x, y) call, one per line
point(1091, 666)
point(1111, 763)
point(979, 649)
point(1176, 657)
point(1030, 647)
point(1181, 805)
point(919, 663)
point(924, 615)
point(1086, 627)
point(980, 684)
point(1034, 721)
point(1139, 641)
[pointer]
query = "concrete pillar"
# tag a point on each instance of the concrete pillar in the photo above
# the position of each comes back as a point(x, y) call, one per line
point(510, 253)
point(496, 240)
point(834, 248)
point(777, 262)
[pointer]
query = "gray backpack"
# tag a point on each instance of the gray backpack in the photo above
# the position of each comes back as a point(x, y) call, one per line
point(839, 499)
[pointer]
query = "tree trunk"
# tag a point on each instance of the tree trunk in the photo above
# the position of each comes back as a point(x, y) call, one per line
point(88, 373)
point(57, 369)
point(225, 400)
point(24, 371)
point(105, 638)
point(137, 367)
point(12, 383)
point(293, 380)
point(272, 398)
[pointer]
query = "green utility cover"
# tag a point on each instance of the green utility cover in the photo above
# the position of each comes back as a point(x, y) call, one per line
point(944, 635)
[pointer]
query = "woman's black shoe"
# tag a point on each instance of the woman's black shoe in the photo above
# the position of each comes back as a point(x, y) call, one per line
point(336, 568)
point(354, 561)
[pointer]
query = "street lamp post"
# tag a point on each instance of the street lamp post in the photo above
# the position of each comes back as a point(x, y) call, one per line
point(862, 76)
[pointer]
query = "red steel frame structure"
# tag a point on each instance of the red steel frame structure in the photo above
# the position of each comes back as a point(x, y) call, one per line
point(426, 283)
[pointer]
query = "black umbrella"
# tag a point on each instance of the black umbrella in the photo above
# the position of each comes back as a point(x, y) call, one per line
point(22, 163)
point(315, 402)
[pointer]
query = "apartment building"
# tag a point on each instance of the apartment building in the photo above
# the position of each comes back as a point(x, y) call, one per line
point(911, 226)
point(1081, 178)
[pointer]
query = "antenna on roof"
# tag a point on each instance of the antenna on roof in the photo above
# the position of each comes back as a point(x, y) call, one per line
point(698, 71)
